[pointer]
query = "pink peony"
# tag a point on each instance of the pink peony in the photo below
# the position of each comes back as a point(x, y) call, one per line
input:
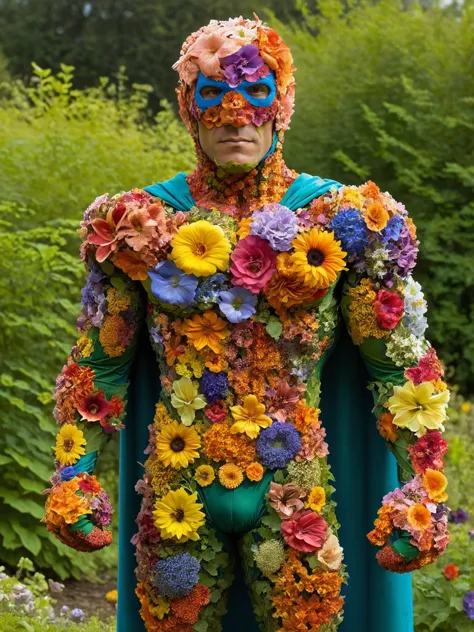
point(305, 531)
point(94, 407)
point(253, 263)
point(429, 369)
point(389, 309)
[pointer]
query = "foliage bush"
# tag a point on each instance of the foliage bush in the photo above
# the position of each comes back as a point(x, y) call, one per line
point(59, 148)
point(387, 93)
point(438, 601)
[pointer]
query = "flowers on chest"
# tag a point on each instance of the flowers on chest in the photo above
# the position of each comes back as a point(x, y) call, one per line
point(270, 254)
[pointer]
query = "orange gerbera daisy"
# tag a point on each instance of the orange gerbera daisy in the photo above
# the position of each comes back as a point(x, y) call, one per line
point(419, 516)
point(206, 330)
point(376, 216)
point(317, 258)
point(435, 483)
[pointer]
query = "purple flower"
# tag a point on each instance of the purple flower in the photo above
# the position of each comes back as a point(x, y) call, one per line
point(55, 587)
point(68, 473)
point(278, 445)
point(94, 303)
point(392, 230)
point(103, 509)
point(460, 516)
point(214, 385)
point(468, 603)
point(176, 576)
point(77, 615)
point(350, 228)
point(237, 304)
point(277, 224)
point(208, 290)
point(404, 252)
point(171, 285)
point(246, 63)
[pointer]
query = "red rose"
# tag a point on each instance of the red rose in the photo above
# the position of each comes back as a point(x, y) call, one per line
point(389, 309)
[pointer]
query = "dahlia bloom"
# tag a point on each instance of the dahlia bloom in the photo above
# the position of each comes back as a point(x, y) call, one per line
point(304, 531)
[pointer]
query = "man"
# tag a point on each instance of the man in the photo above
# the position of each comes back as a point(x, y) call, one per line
point(240, 271)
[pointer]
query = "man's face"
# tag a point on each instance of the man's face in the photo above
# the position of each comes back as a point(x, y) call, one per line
point(239, 145)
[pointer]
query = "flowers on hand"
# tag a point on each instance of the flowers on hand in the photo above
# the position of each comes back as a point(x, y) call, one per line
point(249, 418)
point(70, 444)
point(186, 400)
point(317, 258)
point(305, 531)
point(253, 263)
point(177, 445)
point(418, 408)
point(178, 515)
point(200, 248)
point(171, 285)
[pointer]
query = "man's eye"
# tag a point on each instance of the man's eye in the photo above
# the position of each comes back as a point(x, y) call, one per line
point(210, 93)
point(259, 91)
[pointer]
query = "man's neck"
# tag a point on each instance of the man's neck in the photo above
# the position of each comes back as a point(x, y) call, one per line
point(239, 194)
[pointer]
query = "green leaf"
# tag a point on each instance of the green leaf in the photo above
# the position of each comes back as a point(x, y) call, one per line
point(274, 327)
point(272, 521)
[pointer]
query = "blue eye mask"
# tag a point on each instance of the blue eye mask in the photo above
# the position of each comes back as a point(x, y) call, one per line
point(243, 89)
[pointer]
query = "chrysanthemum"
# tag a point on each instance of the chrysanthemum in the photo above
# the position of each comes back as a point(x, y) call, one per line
point(206, 330)
point(186, 400)
point(317, 257)
point(178, 515)
point(177, 445)
point(418, 407)
point(230, 476)
point(250, 417)
point(70, 444)
point(204, 475)
point(200, 248)
point(254, 472)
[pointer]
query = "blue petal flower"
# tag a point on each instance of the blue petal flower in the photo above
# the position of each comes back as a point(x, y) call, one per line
point(350, 228)
point(278, 445)
point(176, 576)
point(171, 285)
point(237, 304)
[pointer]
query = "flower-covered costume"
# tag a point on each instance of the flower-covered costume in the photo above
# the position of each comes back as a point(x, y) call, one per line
point(227, 291)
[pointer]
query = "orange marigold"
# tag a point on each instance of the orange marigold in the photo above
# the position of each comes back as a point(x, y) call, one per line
point(220, 445)
point(383, 527)
point(302, 416)
point(254, 472)
point(64, 506)
point(230, 476)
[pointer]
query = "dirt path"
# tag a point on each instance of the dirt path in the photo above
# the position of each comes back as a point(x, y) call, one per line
point(87, 596)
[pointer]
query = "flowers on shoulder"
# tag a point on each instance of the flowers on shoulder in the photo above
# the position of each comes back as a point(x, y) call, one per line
point(249, 418)
point(317, 257)
point(70, 444)
point(177, 445)
point(178, 515)
point(186, 400)
point(200, 248)
point(418, 408)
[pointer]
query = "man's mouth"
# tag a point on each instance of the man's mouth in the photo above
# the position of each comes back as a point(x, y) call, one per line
point(235, 141)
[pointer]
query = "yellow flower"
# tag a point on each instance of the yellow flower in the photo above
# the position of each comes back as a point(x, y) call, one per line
point(161, 608)
point(376, 217)
point(70, 444)
point(466, 407)
point(204, 475)
point(419, 516)
point(244, 227)
point(435, 483)
point(186, 400)
point(352, 196)
point(317, 258)
point(418, 407)
point(206, 330)
point(316, 499)
point(177, 445)
point(178, 515)
point(112, 596)
point(250, 417)
point(200, 248)
point(230, 476)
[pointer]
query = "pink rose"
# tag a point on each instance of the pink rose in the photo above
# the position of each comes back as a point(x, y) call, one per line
point(253, 263)
point(305, 531)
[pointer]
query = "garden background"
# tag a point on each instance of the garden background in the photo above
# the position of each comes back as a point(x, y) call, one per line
point(385, 91)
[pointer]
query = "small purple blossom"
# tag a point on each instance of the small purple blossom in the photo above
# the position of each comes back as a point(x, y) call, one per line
point(460, 516)
point(392, 230)
point(55, 587)
point(277, 224)
point(209, 288)
point(404, 252)
point(246, 63)
point(468, 603)
point(214, 385)
point(237, 304)
point(176, 576)
point(77, 615)
point(94, 302)
point(68, 473)
point(278, 445)
point(103, 509)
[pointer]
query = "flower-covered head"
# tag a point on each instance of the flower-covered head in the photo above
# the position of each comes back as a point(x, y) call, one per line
point(236, 73)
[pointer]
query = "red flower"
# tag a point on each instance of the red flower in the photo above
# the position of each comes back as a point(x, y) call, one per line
point(305, 531)
point(89, 484)
point(253, 263)
point(389, 309)
point(428, 451)
point(217, 412)
point(429, 369)
point(451, 572)
point(94, 407)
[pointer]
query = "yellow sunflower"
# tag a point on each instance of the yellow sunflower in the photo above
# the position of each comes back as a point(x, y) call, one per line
point(230, 476)
point(200, 248)
point(70, 444)
point(317, 258)
point(177, 445)
point(250, 417)
point(418, 407)
point(204, 475)
point(177, 515)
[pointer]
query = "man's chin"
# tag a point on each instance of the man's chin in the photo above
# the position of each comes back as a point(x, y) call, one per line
point(237, 163)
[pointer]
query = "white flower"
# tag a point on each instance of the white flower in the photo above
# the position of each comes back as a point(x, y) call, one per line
point(415, 308)
point(404, 348)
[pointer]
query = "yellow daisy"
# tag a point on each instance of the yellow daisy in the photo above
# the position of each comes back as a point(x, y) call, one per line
point(204, 475)
point(250, 417)
point(70, 444)
point(177, 445)
point(177, 515)
point(200, 248)
point(317, 258)
point(418, 407)
point(316, 499)
point(186, 399)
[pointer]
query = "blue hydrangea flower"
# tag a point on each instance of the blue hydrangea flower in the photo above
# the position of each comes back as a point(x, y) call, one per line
point(392, 230)
point(278, 445)
point(214, 385)
point(277, 224)
point(350, 228)
point(176, 576)
point(68, 473)
point(237, 304)
point(208, 290)
point(171, 285)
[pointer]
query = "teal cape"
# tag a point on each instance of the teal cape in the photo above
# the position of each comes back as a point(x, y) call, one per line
point(376, 600)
